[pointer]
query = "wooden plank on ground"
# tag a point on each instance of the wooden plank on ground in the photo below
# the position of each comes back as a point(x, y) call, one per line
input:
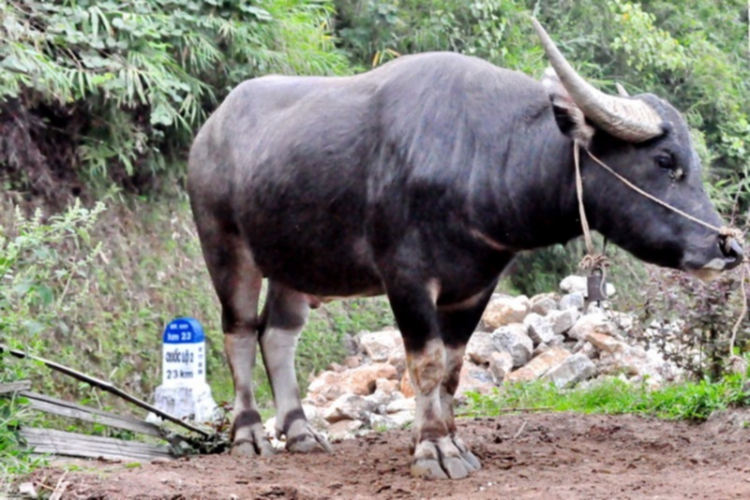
point(106, 386)
point(70, 444)
point(20, 385)
point(48, 404)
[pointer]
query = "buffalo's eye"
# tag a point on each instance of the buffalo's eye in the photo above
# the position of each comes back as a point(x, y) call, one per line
point(665, 161)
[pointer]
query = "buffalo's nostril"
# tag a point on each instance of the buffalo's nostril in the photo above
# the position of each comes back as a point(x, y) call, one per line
point(732, 250)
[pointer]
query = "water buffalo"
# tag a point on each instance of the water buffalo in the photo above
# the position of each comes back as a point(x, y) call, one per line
point(420, 180)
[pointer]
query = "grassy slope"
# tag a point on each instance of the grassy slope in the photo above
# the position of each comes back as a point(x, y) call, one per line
point(150, 270)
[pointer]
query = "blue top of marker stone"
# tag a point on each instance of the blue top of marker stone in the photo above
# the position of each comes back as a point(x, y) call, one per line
point(183, 331)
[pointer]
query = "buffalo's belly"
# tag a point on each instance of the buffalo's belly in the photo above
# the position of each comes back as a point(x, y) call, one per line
point(316, 260)
point(320, 274)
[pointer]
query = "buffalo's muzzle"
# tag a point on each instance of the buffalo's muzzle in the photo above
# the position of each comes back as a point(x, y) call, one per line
point(732, 251)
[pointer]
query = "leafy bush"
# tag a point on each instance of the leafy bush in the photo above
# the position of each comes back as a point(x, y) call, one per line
point(15, 459)
point(373, 32)
point(694, 320)
point(114, 90)
point(42, 265)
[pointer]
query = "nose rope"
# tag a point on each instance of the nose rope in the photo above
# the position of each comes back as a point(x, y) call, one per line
point(581, 209)
point(593, 260)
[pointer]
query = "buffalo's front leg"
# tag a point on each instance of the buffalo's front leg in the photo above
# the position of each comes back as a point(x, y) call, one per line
point(436, 456)
point(457, 323)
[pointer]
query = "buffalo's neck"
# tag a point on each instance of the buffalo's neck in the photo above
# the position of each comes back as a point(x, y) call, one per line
point(527, 199)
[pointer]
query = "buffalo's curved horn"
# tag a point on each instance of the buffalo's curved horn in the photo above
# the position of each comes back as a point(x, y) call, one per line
point(629, 119)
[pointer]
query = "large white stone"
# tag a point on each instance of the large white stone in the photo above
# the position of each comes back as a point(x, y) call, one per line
point(501, 364)
point(349, 407)
point(402, 418)
point(480, 347)
point(574, 369)
point(540, 328)
point(504, 310)
point(315, 416)
point(591, 323)
point(605, 343)
point(543, 303)
point(639, 365)
point(325, 387)
point(380, 346)
point(390, 421)
point(474, 379)
point(574, 284)
point(562, 321)
point(577, 284)
point(402, 404)
point(575, 300)
point(514, 340)
point(540, 365)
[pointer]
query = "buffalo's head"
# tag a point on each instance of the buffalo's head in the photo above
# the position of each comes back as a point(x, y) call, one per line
point(647, 141)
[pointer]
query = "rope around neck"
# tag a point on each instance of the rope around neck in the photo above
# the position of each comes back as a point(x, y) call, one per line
point(581, 210)
point(591, 261)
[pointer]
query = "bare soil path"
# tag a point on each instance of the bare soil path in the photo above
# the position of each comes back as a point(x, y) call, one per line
point(527, 456)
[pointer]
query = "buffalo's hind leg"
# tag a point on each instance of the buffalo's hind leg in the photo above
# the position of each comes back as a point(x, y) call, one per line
point(237, 281)
point(283, 318)
point(436, 456)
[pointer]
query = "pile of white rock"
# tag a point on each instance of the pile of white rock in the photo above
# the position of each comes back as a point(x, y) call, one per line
point(547, 337)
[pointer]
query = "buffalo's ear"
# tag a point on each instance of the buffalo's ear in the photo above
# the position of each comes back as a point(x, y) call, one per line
point(569, 116)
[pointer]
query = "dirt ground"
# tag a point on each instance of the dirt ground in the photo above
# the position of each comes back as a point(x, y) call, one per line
point(524, 456)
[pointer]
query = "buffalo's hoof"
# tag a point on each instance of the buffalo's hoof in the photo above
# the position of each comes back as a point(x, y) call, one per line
point(466, 455)
point(252, 447)
point(444, 458)
point(305, 439)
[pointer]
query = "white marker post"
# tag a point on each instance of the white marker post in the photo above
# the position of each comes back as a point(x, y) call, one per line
point(184, 392)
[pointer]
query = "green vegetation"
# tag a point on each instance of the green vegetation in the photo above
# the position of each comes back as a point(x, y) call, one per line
point(688, 401)
point(122, 85)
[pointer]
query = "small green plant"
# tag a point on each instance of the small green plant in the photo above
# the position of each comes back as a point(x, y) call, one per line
point(687, 401)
